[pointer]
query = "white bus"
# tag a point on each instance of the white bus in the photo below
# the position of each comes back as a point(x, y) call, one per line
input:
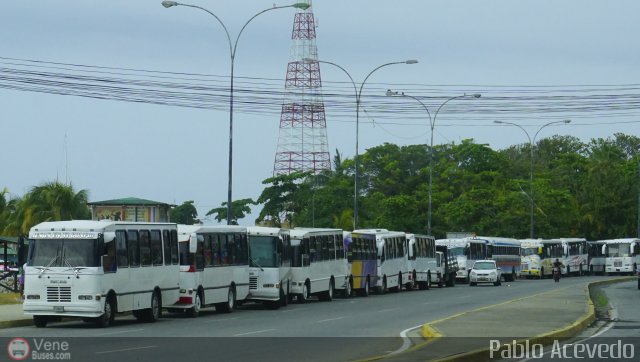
point(94, 269)
point(456, 248)
point(423, 264)
point(530, 261)
point(572, 252)
point(621, 255)
point(392, 268)
point(596, 256)
point(214, 267)
point(505, 252)
point(270, 265)
point(318, 264)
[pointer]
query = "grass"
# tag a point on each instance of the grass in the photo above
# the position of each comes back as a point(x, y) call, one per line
point(9, 298)
point(600, 299)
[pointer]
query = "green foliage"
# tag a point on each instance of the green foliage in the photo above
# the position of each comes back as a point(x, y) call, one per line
point(239, 208)
point(51, 201)
point(185, 214)
point(579, 189)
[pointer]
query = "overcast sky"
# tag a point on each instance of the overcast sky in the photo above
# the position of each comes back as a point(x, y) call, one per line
point(171, 154)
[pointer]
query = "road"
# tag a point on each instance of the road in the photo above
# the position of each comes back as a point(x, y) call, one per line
point(353, 328)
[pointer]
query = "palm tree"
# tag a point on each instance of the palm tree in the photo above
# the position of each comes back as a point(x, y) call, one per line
point(51, 201)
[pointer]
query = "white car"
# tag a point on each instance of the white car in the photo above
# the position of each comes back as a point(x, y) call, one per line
point(485, 271)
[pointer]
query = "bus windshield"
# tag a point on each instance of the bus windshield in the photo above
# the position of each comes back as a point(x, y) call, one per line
point(262, 250)
point(458, 251)
point(64, 252)
point(529, 251)
point(619, 250)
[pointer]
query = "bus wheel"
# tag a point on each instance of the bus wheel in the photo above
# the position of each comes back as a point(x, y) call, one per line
point(154, 313)
point(194, 311)
point(398, 289)
point(328, 295)
point(40, 321)
point(302, 298)
point(227, 307)
point(108, 316)
point(365, 290)
point(346, 293)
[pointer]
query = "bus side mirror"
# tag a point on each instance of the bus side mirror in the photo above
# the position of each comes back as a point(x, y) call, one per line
point(604, 249)
point(193, 243)
point(632, 248)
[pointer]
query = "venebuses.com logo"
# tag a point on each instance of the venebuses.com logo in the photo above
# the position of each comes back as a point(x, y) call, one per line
point(18, 349)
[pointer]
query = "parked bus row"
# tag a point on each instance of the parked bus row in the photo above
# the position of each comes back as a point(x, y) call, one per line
point(95, 269)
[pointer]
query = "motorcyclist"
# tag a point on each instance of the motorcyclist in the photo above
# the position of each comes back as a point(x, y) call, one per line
point(557, 270)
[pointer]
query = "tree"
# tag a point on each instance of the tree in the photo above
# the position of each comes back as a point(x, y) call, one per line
point(286, 197)
point(51, 201)
point(185, 214)
point(240, 209)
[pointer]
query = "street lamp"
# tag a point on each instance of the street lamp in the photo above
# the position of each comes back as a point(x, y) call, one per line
point(432, 123)
point(358, 94)
point(531, 143)
point(232, 51)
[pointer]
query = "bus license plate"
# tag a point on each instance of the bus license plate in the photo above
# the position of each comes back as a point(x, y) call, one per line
point(58, 309)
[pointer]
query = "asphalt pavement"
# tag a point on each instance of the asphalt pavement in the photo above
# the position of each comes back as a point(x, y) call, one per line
point(423, 325)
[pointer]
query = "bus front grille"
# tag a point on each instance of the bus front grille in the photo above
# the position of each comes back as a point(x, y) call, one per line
point(253, 282)
point(58, 294)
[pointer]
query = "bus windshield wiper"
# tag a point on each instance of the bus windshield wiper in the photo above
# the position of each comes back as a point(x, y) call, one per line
point(41, 269)
point(256, 263)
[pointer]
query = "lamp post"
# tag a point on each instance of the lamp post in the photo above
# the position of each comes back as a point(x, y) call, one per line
point(232, 50)
point(531, 143)
point(358, 94)
point(432, 123)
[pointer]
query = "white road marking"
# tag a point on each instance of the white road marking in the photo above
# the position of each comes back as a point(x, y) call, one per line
point(406, 341)
point(117, 332)
point(126, 349)
point(254, 332)
point(329, 320)
point(219, 320)
point(387, 310)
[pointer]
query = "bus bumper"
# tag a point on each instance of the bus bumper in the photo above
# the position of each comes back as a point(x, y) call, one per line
point(85, 310)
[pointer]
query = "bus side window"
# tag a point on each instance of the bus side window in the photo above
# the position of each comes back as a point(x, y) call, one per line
point(174, 247)
point(109, 259)
point(156, 247)
point(215, 249)
point(208, 253)
point(145, 248)
point(231, 250)
point(224, 254)
point(132, 246)
point(312, 249)
point(166, 244)
point(121, 249)
point(199, 257)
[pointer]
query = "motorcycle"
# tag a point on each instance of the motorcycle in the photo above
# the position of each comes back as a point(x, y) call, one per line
point(556, 274)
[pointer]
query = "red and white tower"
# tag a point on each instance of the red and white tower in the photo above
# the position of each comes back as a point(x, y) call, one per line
point(302, 143)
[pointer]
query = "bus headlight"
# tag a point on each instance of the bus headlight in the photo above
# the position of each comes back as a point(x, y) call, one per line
point(33, 296)
point(85, 297)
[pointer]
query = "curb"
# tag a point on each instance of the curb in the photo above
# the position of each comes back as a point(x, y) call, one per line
point(545, 338)
point(16, 323)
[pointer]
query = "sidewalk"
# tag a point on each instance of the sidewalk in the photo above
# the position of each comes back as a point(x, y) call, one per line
point(11, 315)
point(558, 313)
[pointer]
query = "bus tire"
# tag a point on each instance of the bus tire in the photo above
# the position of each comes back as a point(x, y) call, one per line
point(330, 291)
point(398, 289)
point(194, 311)
point(346, 293)
point(151, 315)
point(304, 296)
point(109, 314)
point(365, 290)
point(229, 305)
point(40, 321)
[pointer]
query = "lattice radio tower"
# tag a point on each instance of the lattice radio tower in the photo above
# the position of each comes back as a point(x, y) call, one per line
point(302, 142)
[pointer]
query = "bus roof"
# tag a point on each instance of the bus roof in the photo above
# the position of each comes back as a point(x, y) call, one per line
point(619, 241)
point(263, 230)
point(299, 233)
point(85, 225)
point(210, 228)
